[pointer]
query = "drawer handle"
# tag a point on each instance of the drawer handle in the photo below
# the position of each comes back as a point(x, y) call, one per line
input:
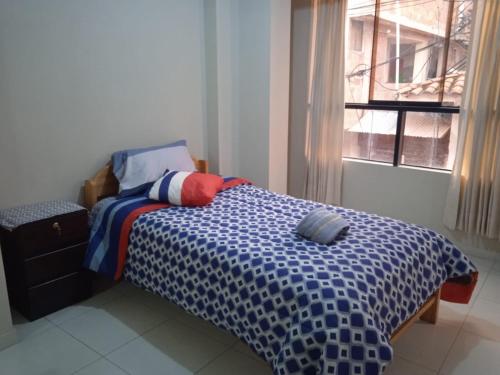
point(57, 227)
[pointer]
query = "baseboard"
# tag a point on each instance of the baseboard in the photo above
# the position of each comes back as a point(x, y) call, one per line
point(8, 338)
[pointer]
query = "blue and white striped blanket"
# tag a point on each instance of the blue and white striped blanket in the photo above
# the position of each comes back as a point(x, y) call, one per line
point(304, 307)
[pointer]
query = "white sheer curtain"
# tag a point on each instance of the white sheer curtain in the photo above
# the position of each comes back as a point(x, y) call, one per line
point(473, 202)
point(325, 120)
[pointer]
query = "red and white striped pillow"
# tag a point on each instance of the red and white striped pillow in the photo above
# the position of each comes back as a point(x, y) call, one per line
point(186, 188)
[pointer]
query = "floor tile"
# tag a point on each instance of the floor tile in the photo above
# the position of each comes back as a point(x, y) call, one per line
point(242, 347)
point(234, 362)
point(83, 307)
point(136, 315)
point(126, 288)
point(483, 265)
point(157, 303)
point(25, 328)
point(496, 265)
point(51, 352)
point(484, 320)
point(491, 290)
point(472, 354)
point(101, 367)
point(453, 313)
point(113, 325)
point(478, 288)
point(172, 348)
point(140, 357)
point(427, 344)
point(400, 366)
point(208, 328)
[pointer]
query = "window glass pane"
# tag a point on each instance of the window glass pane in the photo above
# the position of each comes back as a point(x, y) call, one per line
point(410, 50)
point(359, 33)
point(460, 34)
point(430, 139)
point(369, 134)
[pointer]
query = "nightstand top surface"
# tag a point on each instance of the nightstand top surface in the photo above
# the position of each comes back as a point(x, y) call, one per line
point(11, 218)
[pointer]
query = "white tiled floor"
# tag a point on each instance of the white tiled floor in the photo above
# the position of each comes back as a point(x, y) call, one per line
point(127, 331)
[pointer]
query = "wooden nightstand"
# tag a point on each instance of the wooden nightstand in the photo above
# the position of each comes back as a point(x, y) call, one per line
point(43, 257)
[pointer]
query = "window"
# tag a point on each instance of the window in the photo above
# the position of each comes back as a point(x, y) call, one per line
point(404, 71)
point(404, 84)
point(357, 35)
point(370, 136)
point(432, 65)
point(428, 140)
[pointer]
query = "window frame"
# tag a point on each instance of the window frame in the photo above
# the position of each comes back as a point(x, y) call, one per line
point(402, 107)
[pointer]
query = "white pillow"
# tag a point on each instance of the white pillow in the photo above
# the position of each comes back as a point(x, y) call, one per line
point(137, 169)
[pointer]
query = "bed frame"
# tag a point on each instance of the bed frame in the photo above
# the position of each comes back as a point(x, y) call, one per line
point(104, 184)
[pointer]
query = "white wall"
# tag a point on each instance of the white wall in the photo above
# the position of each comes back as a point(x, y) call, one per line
point(264, 52)
point(254, 80)
point(222, 67)
point(212, 101)
point(279, 89)
point(410, 194)
point(301, 21)
point(248, 72)
point(81, 79)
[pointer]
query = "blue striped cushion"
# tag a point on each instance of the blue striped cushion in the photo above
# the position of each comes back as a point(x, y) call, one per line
point(322, 226)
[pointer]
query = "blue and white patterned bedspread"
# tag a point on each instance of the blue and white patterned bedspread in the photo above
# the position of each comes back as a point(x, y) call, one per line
point(304, 307)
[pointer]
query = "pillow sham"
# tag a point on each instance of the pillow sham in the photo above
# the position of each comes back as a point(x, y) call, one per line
point(186, 188)
point(136, 169)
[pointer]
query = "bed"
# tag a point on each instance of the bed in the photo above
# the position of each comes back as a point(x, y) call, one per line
point(303, 307)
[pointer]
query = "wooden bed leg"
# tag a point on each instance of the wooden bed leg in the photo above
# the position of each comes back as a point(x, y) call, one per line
point(431, 315)
point(428, 312)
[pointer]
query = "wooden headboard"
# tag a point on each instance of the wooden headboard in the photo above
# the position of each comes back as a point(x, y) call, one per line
point(104, 183)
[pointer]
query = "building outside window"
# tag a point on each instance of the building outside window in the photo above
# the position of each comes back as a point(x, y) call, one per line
point(404, 86)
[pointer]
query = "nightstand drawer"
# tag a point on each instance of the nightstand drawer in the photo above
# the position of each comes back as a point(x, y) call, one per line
point(44, 236)
point(55, 264)
point(54, 295)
